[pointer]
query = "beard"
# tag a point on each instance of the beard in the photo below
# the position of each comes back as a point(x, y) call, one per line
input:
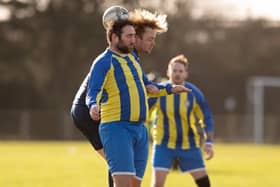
point(124, 48)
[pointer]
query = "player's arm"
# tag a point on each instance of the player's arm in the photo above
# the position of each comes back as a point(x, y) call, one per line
point(204, 115)
point(97, 78)
point(208, 146)
point(156, 90)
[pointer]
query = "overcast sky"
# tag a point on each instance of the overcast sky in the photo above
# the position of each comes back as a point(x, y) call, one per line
point(239, 9)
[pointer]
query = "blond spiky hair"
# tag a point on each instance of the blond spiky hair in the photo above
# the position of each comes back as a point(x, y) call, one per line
point(143, 18)
point(182, 59)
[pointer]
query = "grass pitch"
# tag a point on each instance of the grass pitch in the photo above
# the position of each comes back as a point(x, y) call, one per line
point(75, 164)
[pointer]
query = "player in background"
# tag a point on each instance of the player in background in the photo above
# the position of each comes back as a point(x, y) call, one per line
point(182, 121)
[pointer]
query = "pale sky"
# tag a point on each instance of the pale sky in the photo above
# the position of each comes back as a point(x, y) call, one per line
point(4, 13)
point(234, 9)
point(240, 9)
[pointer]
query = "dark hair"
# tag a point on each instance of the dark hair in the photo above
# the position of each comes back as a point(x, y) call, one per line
point(116, 28)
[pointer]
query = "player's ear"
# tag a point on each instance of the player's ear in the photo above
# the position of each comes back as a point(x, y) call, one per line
point(115, 38)
point(168, 72)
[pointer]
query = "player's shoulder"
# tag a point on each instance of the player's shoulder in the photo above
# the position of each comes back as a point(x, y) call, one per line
point(104, 59)
point(190, 85)
point(193, 87)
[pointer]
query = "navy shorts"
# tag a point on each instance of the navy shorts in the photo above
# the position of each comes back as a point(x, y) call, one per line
point(89, 128)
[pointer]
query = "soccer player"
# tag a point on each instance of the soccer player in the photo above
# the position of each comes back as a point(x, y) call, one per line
point(182, 121)
point(116, 88)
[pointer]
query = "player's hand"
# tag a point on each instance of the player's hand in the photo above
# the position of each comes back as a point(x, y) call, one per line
point(208, 149)
point(152, 89)
point(94, 112)
point(179, 89)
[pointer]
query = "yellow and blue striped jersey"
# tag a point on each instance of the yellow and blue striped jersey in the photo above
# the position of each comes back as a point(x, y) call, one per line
point(180, 117)
point(117, 84)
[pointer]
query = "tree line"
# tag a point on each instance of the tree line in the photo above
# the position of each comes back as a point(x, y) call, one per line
point(47, 50)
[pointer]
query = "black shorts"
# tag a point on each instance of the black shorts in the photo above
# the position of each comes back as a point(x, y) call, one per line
point(89, 128)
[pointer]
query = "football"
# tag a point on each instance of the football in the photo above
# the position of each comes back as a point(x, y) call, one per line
point(114, 13)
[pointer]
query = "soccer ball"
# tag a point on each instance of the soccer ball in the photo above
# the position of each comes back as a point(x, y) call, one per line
point(112, 14)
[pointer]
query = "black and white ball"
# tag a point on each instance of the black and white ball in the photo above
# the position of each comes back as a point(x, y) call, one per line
point(112, 14)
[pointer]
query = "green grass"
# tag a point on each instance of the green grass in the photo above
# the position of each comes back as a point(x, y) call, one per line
point(75, 164)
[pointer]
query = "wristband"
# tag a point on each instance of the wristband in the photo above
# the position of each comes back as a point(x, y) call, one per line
point(209, 142)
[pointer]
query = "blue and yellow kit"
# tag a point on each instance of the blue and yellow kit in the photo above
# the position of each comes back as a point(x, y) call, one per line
point(180, 119)
point(117, 85)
